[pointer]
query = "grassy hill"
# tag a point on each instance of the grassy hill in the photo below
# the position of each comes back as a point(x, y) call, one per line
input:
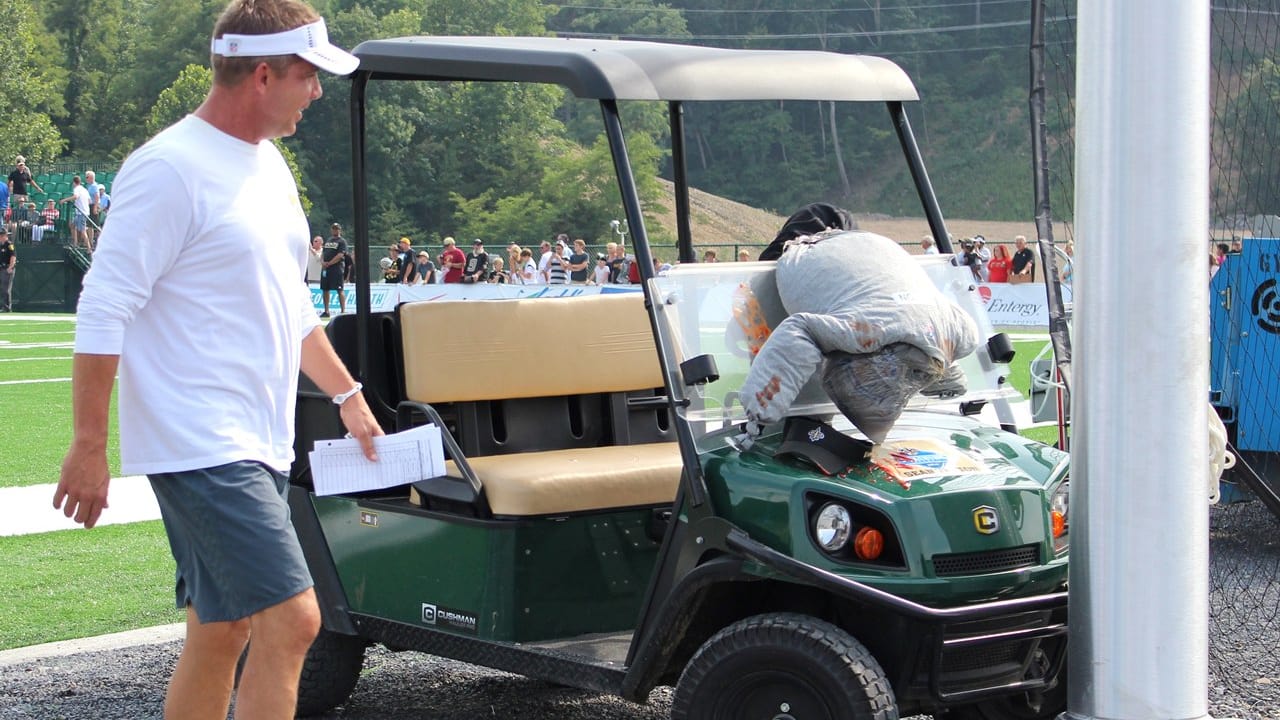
point(723, 224)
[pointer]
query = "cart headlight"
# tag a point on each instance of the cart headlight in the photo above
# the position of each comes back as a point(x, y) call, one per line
point(1059, 508)
point(832, 526)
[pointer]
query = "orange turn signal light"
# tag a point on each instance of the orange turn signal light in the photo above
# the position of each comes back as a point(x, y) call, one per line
point(1059, 520)
point(868, 544)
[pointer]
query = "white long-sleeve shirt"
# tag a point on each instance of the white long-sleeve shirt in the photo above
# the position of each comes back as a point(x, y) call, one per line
point(196, 286)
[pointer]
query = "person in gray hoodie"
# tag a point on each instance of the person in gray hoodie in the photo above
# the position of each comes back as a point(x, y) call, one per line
point(878, 337)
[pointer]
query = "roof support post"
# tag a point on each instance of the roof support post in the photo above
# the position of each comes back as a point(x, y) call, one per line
point(928, 200)
point(680, 175)
point(359, 175)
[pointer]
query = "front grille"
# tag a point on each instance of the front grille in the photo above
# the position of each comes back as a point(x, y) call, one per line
point(982, 657)
point(987, 561)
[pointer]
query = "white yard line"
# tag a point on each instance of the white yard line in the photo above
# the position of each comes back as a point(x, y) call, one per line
point(23, 317)
point(36, 346)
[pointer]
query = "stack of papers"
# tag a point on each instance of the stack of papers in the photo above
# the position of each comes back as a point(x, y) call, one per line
point(339, 466)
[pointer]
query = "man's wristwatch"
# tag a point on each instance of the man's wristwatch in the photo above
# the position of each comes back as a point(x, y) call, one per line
point(343, 397)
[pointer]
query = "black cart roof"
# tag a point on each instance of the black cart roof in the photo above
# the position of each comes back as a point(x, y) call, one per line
point(630, 70)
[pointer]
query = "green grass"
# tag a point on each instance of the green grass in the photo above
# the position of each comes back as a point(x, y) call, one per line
point(37, 369)
point(37, 431)
point(1020, 369)
point(80, 583)
point(1020, 378)
point(36, 416)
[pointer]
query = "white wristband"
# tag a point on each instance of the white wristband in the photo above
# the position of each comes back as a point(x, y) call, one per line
point(343, 397)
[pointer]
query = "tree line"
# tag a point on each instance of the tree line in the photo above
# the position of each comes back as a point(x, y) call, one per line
point(90, 80)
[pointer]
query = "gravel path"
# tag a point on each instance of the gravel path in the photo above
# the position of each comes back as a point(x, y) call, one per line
point(128, 683)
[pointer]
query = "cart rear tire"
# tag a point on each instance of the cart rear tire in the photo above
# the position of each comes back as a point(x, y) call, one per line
point(330, 672)
point(782, 666)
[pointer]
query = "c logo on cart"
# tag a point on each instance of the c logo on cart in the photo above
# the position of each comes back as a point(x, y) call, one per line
point(442, 616)
point(985, 520)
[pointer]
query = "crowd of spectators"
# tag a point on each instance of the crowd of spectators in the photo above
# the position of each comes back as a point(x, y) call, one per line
point(555, 262)
point(991, 264)
point(561, 261)
point(25, 221)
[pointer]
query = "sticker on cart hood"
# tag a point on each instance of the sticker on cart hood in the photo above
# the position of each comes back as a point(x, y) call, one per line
point(907, 460)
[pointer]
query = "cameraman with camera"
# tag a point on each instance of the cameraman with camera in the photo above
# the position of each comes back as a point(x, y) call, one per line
point(969, 257)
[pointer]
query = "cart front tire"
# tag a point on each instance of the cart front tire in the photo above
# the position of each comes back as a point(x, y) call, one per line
point(330, 672)
point(783, 666)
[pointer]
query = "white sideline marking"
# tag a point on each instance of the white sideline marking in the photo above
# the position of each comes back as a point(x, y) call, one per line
point(31, 382)
point(130, 638)
point(35, 359)
point(28, 510)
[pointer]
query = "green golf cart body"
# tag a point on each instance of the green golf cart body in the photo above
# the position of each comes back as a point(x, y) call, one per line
point(598, 525)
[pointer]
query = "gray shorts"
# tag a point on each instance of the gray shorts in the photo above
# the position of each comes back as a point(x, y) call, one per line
point(230, 534)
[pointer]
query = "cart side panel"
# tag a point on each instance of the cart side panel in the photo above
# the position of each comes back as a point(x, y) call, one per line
point(504, 580)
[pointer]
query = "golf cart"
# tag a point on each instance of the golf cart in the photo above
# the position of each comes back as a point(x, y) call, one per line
point(598, 526)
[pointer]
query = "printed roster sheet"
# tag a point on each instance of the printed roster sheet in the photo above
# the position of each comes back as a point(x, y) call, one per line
point(339, 466)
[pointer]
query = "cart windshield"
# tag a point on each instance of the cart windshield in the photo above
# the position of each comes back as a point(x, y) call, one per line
point(724, 309)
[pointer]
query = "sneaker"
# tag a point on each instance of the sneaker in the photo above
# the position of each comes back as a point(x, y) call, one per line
point(324, 314)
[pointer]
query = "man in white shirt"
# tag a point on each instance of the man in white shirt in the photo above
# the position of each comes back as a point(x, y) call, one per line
point(79, 197)
point(209, 368)
point(95, 198)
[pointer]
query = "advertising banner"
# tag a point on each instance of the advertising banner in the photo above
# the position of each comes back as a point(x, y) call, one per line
point(1007, 305)
point(385, 297)
point(1023, 305)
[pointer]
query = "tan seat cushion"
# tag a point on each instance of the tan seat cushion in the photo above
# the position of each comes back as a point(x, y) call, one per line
point(557, 482)
point(470, 350)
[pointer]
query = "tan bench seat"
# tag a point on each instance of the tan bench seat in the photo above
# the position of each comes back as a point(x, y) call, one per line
point(557, 482)
point(592, 346)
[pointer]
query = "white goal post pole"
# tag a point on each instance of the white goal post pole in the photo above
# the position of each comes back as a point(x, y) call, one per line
point(1139, 501)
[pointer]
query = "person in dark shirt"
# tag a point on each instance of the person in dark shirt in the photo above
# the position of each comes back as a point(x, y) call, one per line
point(476, 268)
point(407, 263)
point(333, 271)
point(19, 179)
point(8, 260)
point(579, 263)
point(426, 268)
point(1024, 261)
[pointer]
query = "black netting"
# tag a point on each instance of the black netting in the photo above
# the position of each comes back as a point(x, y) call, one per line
point(1244, 550)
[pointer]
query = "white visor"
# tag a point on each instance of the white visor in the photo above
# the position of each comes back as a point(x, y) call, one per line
point(309, 42)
